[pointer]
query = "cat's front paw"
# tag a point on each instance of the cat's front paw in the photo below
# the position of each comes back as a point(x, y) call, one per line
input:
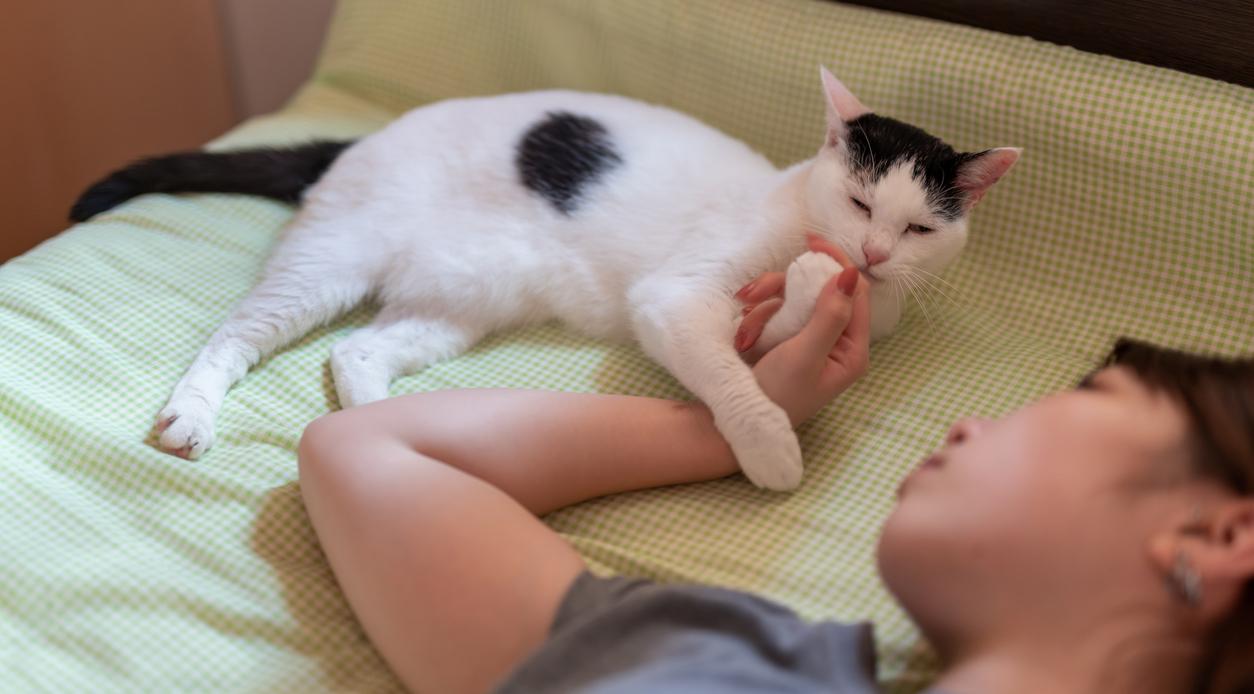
point(767, 450)
point(807, 275)
point(185, 427)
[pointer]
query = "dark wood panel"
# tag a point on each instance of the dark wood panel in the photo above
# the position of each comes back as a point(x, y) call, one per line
point(1212, 38)
point(92, 85)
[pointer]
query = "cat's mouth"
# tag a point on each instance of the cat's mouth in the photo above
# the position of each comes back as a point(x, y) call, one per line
point(870, 274)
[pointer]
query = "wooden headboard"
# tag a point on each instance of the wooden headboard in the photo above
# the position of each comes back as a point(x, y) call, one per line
point(1212, 38)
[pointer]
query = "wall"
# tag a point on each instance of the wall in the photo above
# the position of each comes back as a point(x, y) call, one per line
point(90, 85)
point(271, 47)
point(87, 87)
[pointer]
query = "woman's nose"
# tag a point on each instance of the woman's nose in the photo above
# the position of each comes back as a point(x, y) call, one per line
point(965, 429)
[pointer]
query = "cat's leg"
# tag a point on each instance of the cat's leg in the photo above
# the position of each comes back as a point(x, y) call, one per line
point(688, 329)
point(296, 294)
point(397, 343)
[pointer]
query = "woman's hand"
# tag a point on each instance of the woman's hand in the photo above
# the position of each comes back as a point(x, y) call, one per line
point(765, 295)
point(803, 374)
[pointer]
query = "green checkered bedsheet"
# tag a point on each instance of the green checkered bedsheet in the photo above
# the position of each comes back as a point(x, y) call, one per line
point(125, 569)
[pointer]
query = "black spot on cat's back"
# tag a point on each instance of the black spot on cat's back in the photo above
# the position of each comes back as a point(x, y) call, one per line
point(561, 155)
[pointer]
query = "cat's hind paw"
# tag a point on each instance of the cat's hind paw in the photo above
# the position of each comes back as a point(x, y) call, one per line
point(185, 428)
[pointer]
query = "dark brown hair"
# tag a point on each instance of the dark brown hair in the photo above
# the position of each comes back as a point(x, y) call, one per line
point(1217, 395)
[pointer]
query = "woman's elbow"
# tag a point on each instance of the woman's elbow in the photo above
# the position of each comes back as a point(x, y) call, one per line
point(321, 447)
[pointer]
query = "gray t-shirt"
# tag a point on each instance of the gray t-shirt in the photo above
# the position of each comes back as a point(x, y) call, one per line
point(620, 636)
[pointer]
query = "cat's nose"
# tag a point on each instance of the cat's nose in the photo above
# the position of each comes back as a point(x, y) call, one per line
point(874, 254)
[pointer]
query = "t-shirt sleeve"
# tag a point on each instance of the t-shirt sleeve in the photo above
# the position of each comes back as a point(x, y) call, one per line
point(613, 635)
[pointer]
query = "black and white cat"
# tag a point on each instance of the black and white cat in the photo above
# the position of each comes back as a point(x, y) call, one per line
point(622, 219)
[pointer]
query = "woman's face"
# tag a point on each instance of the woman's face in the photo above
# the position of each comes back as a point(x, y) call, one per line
point(1038, 511)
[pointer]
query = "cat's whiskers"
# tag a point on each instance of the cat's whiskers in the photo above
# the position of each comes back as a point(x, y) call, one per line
point(934, 282)
point(869, 150)
point(923, 292)
point(954, 299)
point(935, 294)
point(896, 284)
point(935, 277)
point(952, 197)
point(816, 228)
point(909, 281)
point(931, 290)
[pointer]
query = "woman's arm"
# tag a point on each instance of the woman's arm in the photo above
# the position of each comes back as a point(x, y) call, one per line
point(426, 508)
point(426, 504)
point(543, 449)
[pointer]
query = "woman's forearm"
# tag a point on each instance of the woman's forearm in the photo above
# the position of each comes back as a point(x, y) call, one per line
point(547, 449)
point(426, 505)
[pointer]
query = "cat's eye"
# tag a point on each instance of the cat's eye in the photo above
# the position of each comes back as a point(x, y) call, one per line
point(860, 205)
point(919, 229)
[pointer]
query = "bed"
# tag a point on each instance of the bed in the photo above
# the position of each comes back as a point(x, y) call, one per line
point(124, 569)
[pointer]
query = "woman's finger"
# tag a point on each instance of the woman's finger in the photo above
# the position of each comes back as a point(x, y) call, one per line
point(832, 313)
point(752, 325)
point(859, 329)
point(819, 244)
point(769, 284)
point(853, 349)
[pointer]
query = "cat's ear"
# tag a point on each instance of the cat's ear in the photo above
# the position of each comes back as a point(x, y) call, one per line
point(978, 173)
point(842, 106)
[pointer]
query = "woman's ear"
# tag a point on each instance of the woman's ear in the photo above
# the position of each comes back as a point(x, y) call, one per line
point(1230, 554)
point(1215, 550)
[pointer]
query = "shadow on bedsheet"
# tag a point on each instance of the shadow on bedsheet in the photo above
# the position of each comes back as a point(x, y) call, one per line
point(321, 627)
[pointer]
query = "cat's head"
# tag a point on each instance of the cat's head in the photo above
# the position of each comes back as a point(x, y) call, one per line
point(895, 198)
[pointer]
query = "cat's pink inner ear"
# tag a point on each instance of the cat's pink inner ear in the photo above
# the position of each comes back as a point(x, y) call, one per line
point(978, 175)
point(842, 105)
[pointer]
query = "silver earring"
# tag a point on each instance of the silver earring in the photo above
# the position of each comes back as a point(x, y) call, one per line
point(1185, 580)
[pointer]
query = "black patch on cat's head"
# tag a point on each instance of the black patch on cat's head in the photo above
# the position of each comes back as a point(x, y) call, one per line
point(876, 144)
point(559, 156)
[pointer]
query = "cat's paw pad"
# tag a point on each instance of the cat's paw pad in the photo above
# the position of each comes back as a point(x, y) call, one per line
point(769, 454)
point(185, 428)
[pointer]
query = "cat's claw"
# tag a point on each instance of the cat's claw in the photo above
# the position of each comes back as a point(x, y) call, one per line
point(185, 428)
point(164, 423)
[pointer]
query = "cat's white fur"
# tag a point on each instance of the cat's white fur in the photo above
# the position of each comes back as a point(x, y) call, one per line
point(427, 216)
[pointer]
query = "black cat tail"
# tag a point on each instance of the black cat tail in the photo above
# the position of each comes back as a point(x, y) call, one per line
point(281, 173)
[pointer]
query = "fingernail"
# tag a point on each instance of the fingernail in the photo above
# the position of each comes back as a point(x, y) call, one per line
point(740, 342)
point(745, 311)
point(747, 289)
